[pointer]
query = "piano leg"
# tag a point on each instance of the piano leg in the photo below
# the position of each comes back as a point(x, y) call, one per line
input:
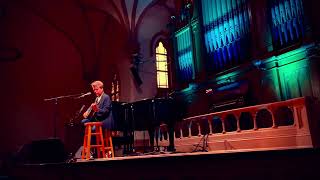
point(128, 142)
point(157, 130)
point(171, 138)
point(151, 135)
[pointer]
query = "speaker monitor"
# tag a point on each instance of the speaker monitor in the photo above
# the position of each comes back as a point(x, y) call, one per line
point(136, 76)
point(43, 151)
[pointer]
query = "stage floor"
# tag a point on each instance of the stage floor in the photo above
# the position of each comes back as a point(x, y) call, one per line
point(229, 164)
point(177, 154)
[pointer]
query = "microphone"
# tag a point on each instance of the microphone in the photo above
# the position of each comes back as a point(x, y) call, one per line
point(83, 95)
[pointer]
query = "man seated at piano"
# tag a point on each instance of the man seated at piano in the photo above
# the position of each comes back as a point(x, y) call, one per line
point(101, 109)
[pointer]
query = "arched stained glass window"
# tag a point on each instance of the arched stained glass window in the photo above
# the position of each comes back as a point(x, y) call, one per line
point(115, 88)
point(162, 66)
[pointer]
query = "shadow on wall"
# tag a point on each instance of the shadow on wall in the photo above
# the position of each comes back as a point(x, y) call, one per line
point(10, 54)
point(56, 53)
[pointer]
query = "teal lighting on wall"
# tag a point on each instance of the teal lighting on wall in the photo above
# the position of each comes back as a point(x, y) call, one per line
point(226, 32)
point(185, 56)
point(289, 73)
point(287, 22)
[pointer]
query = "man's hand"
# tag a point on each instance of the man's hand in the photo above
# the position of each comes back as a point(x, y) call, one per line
point(86, 114)
point(94, 107)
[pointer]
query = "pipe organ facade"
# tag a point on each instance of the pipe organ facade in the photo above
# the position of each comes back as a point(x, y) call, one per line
point(185, 55)
point(226, 26)
point(287, 18)
point(273, 44)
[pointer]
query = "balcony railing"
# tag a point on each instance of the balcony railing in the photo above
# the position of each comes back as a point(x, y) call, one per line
point(275, 125)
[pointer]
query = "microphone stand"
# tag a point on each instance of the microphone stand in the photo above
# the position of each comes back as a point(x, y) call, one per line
point(76, 115)
point(55, 114)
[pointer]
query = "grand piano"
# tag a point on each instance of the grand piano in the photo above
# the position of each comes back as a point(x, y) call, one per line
point(146, 114)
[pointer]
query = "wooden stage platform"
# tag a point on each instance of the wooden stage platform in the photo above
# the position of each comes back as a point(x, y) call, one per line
point(230, 164)
point(288, 147)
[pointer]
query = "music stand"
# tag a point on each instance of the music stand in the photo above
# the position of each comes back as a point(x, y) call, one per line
point(204, 141)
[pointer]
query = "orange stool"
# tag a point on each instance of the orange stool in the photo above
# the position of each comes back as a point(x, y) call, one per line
point(108, 143)
point(87, 140)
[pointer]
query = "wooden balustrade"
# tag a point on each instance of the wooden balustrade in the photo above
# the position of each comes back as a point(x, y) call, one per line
point(297, 103)
point(286, 119)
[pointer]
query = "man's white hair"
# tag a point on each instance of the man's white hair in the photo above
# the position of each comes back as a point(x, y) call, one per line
point(98, 84)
